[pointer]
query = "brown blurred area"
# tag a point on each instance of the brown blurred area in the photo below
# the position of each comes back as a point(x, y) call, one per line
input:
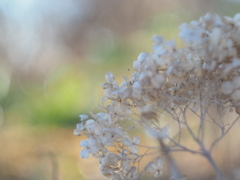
point(53, 55)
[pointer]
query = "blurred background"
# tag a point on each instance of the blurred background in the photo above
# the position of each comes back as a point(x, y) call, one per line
point(54, 55)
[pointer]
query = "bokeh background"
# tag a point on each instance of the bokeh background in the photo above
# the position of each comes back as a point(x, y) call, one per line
point(54, 55)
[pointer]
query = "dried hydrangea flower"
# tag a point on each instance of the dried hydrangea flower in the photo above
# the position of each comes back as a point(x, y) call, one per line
point(155, 167)
point(171, 81)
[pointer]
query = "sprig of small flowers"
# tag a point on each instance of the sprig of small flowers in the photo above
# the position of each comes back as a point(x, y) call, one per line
point(171, 80)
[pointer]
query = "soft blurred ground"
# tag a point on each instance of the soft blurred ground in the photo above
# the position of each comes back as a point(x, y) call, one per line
point(53, 55)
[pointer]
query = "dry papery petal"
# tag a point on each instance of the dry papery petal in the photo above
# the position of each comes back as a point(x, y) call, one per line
point(83, 117)
point(111, 159)
point(236, 82)
point(155, 167)
point(151, 167)
point(227, 87)
point(109, 78)
point(236, 95)
point(160, 162)
point(157, 39)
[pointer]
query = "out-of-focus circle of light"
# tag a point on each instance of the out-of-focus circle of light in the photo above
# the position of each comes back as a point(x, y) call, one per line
point(27, 20)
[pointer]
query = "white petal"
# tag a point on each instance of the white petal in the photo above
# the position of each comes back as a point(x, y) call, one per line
point(123, 85)
point(142, 57)
point(113, 158)
point(136, 140)
point(104, 99)
point(151, 167)
point(157, 39)
point(127, 142)
point(236, 82)
point(157, 81)
point(77, 132)
point(137, 86)
point(227, 87)
point(133, 170)
point(107, 141)
point(237, 17)
point(136, 65)
point(235, 63)
point(101, 116)
point(183, 26)
point(83, 117)
point(126, 164)
point(94, 150)
point(84, 143)
point(160, 162)
point(84, 153)
point(80, 126)
point(118, 131)
point(157, 174)
point(135, 149)
point(90, 125)
point(109, 78)
point(236, 95)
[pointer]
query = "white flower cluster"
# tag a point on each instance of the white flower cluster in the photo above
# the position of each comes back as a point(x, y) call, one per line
point(207, 70)
point(104, 132)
